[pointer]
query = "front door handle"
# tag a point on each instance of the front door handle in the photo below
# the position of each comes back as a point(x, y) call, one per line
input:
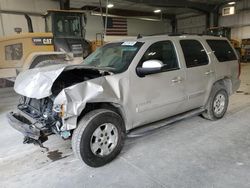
point(177, 80)
point(209, 72)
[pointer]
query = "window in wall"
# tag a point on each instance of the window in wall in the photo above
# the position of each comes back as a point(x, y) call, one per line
point(194, 53)
point(222, 50)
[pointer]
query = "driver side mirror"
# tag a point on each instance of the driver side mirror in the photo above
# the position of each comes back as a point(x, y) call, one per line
point(149, 67)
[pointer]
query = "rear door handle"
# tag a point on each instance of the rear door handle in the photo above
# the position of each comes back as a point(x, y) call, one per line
point(177, 80)
point(209, 72)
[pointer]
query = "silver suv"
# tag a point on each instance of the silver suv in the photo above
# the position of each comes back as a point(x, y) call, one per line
point(124, 85)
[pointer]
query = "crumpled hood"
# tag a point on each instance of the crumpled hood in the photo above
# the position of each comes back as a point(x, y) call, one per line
point(37, 83)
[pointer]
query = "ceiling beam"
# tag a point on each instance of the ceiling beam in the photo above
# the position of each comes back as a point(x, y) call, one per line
point(203, 7)
point(128, 13)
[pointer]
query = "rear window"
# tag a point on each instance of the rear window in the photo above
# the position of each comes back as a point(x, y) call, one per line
point(222, 50)
point(194, 53)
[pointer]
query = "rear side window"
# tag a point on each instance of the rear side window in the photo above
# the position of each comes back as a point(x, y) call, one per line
point(194, 53)
point(222, 50)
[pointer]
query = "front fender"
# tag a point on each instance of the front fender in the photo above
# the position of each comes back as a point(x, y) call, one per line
point(99, 90)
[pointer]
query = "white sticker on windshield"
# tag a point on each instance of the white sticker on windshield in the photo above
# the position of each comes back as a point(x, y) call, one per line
point(129, 43)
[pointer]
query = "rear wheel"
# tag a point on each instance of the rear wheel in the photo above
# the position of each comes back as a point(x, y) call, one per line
point(99, 137)
point(217, 104)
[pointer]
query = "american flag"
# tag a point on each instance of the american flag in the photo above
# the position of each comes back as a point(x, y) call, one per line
point(116, 26)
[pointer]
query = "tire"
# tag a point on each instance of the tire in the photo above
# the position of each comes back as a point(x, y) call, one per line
point(217, 104)
point(99, 137)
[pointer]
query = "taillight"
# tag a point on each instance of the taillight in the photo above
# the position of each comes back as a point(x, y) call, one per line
point(239, 70)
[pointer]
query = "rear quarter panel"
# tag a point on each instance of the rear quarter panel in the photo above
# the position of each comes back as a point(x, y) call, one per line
point(227, 69)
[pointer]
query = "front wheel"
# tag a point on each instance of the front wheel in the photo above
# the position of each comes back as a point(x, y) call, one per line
point(217, 105)
point(99, 137)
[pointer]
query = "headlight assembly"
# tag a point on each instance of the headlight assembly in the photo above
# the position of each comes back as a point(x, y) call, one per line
point(59, 108)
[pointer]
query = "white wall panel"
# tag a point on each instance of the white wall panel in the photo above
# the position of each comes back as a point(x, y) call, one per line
point(29, 5)
point(144, 27)
point(10, 21)
point(191, 24)
point(94, 25)
point(21, 5)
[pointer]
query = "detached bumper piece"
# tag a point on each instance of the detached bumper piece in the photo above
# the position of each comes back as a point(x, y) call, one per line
point(31, 133)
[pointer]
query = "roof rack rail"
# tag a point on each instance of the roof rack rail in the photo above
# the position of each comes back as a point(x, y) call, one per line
point(175, 34)
point(156, 34)
point(172, 34)
point(180, 34)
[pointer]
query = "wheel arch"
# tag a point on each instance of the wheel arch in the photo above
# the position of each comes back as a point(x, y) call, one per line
point(225, 83)
point(105, 105)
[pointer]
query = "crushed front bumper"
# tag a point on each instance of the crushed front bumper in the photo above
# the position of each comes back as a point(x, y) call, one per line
point(23, 125)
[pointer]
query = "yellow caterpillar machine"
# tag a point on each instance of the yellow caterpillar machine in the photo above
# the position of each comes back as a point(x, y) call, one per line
point(64, 34)
point(245, 49)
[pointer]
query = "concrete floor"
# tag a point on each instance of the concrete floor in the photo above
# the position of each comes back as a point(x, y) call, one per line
point(190, 153)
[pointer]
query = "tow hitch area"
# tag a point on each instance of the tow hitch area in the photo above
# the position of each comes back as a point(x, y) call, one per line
point(32, 135)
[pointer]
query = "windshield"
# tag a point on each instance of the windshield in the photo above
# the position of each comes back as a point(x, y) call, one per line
point(68, 25)
point(116, 57)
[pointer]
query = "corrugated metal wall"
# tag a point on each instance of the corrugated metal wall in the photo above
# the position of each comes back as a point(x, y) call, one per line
point(191, 23)
point(240, 22)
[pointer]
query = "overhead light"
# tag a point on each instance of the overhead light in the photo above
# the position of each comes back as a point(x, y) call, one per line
point(231, 3)
point(157, 11)
point(110, 5)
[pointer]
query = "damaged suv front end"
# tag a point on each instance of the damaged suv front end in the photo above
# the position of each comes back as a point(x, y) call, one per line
point(53, 97)
point(35, 119)
point(44, 108)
